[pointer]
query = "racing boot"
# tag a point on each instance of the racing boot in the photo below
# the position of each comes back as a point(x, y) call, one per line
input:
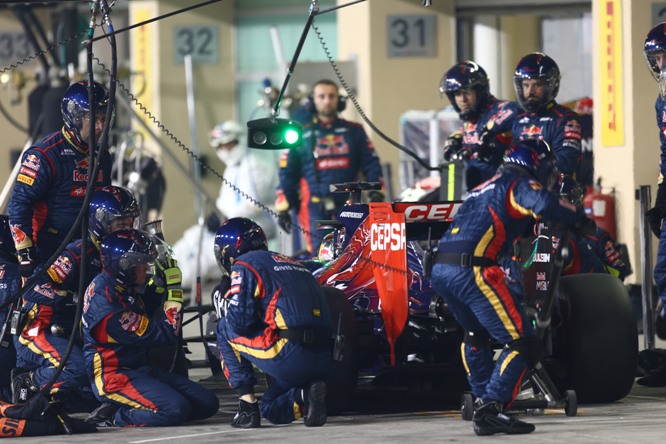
point(103, 416)
point(247, 416)
point(490, 419)
point(23, 385)
point(314, 404)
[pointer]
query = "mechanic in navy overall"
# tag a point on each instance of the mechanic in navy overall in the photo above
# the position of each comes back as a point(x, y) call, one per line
point(272, 313)
point(49, 307)
point(537, 82)
point(655, 55)
point(467, 275)
point(51, 183)
point(487, 122)
point(10, 284)
point(124, 315)
point(333, 151)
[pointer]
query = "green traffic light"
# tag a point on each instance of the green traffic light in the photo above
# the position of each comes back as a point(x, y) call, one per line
point(291, 136)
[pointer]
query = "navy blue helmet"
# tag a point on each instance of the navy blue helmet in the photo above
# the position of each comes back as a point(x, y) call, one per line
point(536, 66)
point(75, 105)
point(466, 75)
point(536, 158)
point(6, 241)
point(235, 237)
point(655, 42)
point(123, 250)
point(108, 204)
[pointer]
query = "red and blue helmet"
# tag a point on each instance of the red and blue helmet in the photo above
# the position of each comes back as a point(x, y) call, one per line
point(124, 250)
point(464, 76)
point(536, 66)
point(75, 104)
point(535, 157)
point(108, 204)
point(235, 237)
point(655, 42)
point(7, 248)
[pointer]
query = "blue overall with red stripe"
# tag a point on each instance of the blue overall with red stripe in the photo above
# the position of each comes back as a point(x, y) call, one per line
point(271, 292)
point(118, 330)
point(493, 216)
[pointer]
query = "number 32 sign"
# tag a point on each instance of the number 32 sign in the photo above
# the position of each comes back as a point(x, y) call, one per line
point(201, 41)
point(411, 35)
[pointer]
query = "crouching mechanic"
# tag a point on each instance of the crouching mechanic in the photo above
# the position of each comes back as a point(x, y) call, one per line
point(122, 318)
point(273, 314)
point(10, 284)
point(50, 309)
point(467, 275)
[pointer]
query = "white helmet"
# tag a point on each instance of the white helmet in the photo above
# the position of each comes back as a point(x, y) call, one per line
point(225, 132)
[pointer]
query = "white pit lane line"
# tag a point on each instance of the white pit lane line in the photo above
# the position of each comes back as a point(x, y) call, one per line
point(169, 438)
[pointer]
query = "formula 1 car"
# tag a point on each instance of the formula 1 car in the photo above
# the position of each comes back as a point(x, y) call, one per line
point(379, 260)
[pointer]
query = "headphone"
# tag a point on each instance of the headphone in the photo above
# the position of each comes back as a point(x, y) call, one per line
point(310, 106)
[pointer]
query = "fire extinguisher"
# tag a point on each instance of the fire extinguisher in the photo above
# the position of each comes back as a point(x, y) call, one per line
point(600, 207)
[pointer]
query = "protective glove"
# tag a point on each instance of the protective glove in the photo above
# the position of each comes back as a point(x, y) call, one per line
point(453, 145)
point(585, 226)
point(375, 196)
point(284, 221)
point(660, 324)
point(27, 260)
point(169, 277)
point(655, 217)
point(220, 302)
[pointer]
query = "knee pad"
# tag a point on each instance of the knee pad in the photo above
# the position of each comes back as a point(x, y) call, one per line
point(477, 338)
point(530, 347)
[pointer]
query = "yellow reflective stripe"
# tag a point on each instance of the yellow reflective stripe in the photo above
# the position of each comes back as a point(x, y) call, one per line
point(496, 303)
point(486, 239)
point(464, 359)
point(507, 361)
point(516, 206)
point(268, 353)
point(279, 320)
point(98, 375)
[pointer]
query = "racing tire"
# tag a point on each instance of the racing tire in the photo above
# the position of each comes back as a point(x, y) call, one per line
point(600, 338)
point(570, 403)
point(467, 406)
point(341, 384)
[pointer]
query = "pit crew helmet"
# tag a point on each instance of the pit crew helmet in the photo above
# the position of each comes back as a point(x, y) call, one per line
point(535, 157)
point(75, 104)
point(235, 237)
point(536, 66)
point(224, 133)
point(466, 75)
point(108, 204)
point(655, 43)
point(7, 248)
point(570, 190)
point(123, 250)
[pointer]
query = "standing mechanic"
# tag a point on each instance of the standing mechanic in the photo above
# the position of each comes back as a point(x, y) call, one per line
point(487, 122)
point(333, 151)
point(51, 183)
point(49, 308)
point(122, 318)
point(10, 284)
point(273, 314)
point(467, 275)
point(537, 82)
point(655, 56)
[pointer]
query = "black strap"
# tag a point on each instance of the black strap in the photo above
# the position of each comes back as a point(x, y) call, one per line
point(464, 260)
point(307, 336)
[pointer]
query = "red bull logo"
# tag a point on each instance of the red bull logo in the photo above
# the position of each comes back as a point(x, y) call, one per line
point(83, 177)
point(31, 161)
point(532, 132)
point(331, 145)
point(18, 235)
point(83, 164)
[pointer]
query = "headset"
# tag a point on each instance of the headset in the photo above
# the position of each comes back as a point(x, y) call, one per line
point(310, 106)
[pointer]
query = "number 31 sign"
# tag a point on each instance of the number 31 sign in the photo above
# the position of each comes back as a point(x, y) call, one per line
point(201, 41)
point(411, 35)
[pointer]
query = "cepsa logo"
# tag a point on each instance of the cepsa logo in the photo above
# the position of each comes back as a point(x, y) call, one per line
point(388, 236)
point(425, 212)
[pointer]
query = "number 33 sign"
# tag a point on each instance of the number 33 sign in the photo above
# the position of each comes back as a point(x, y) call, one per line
point(411, 35)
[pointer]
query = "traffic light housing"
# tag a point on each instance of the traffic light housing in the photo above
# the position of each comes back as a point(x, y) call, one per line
point(273, 133)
